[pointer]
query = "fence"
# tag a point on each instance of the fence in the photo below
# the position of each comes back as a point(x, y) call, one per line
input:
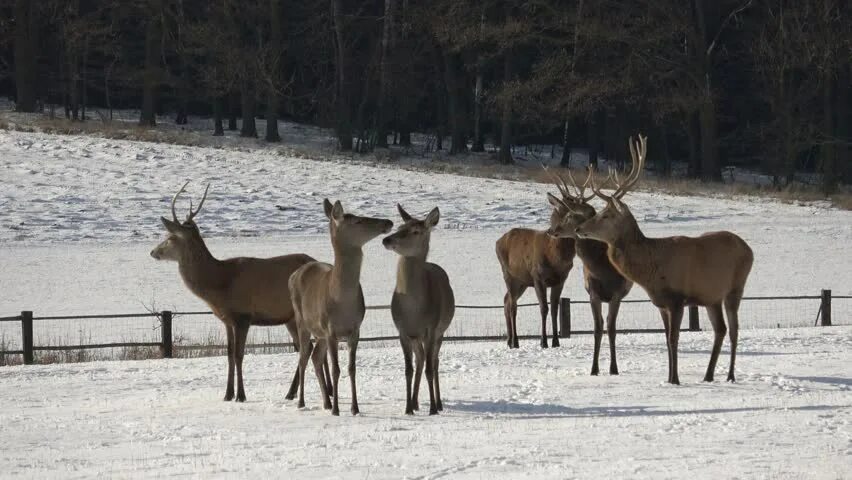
point(171, 332)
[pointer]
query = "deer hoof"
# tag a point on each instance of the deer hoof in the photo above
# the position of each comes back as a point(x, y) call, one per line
point(613, 371)
point(595, 372)
point(708, 378)
point(409, 411)
point(440, 406)
point(241, 398)
point(335, 412)
point(544, 343)
point(229, 396)
point(555, 342)
point(731, 379)
point(301, 404)
point(433, 411)
point(290, 396)
point(355, 411)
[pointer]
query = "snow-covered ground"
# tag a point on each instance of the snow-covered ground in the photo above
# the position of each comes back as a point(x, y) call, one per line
point(79, 214)
point(524, 413)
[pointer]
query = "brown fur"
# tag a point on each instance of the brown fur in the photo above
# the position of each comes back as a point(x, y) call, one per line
point(240, 291)
point(710, 270)
point(532, 258)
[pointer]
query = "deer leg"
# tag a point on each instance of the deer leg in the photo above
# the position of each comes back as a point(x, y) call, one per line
point(353, 348)
point(305, 349)
point(541, 293)
point(507, 311)
point(611, 316)
point(665, 314)
point(419, 358)
point(409, 372)
point(438, 401)
point(597, 317)
point(714, 312)
point(240, 335)
point(732, 306)
point(674, 334)
point(294, 337)
point(318, 358)
point(555, 294)
point(229, 390)
point(430, 376)
point(335, 374)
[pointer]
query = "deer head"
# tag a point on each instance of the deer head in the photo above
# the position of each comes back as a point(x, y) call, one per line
point(353, 231)
point(571, 209)
point(616, 221)
point(411, 239)
point(184, 237)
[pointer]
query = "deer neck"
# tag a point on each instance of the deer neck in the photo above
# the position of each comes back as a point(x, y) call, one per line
point(201, 271)
point(411, 275)
point(632, 256)
point(346, 272)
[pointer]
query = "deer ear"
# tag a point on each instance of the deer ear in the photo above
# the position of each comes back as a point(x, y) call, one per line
point(433, 217)
point(171, 226)
point(402, 213)
point(337, 211)
point(326, 206)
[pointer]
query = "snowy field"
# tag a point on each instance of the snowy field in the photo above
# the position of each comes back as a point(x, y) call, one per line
point(78, 216)
point(523, 413)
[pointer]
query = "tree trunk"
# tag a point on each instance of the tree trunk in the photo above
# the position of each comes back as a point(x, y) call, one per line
point(272, 101)
point(233, 107)
point(455, 109)
point(248, 102)
point(565, 161)
point(478, 141)
point(505, 155)
point(26, 51)
point(710, 169)
point(218, 131)
point(827, 149)
point(382, 102)
point(344, 124)
point(694, 140)
point(151, 75)
point(664, 163)
point(844, 133)
point(593, 131)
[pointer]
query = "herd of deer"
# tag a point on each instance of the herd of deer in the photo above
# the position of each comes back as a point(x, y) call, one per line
point(320, 303)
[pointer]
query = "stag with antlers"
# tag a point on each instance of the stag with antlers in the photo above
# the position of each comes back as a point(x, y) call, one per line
point(241, 291)
point(710, 270)
point(602, 280)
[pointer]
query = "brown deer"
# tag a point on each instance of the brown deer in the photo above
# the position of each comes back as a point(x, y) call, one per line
point(710, 270)
point(241, 291)
point(603, 282)
point(532, 258)
point(422, 305)
point(328, 299)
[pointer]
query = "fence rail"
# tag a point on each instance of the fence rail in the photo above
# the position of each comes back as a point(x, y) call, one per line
point(166, 342)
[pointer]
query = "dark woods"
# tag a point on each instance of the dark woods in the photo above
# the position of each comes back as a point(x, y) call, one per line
point(757, 83)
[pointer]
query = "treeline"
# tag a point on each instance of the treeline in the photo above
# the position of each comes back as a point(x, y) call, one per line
point(757, 83)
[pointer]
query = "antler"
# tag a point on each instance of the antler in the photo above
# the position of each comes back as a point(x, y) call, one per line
point(193, 213)
point(174, 199)
point(564, 189)
point(637, 154)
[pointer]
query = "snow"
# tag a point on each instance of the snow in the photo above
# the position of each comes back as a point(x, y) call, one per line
point(79, 214)
point(527, 413)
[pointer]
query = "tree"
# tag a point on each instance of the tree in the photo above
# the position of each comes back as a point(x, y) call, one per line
point(153, 70)
point(26, 54)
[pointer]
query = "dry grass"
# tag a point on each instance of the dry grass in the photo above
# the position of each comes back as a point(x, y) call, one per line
point(476, 165)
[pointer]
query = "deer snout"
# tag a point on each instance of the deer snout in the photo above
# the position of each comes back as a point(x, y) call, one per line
point(387, 242)
point(155, 254)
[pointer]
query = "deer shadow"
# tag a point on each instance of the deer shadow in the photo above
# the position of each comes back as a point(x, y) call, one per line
point(550, 410)
point(834, 381)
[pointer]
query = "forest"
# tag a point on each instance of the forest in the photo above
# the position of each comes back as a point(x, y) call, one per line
point(758, 84)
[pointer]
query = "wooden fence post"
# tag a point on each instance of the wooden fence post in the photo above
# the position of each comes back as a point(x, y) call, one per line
point(693, 319)
point(27, 336)
point(825, 308)
point(565, 317)
point(166, 348)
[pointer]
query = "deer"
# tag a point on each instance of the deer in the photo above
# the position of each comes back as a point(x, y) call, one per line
point(329, 302)
point(603, 282)
point(241, 291)
point(532, 258)
point(709, 270)
point(422, 305)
